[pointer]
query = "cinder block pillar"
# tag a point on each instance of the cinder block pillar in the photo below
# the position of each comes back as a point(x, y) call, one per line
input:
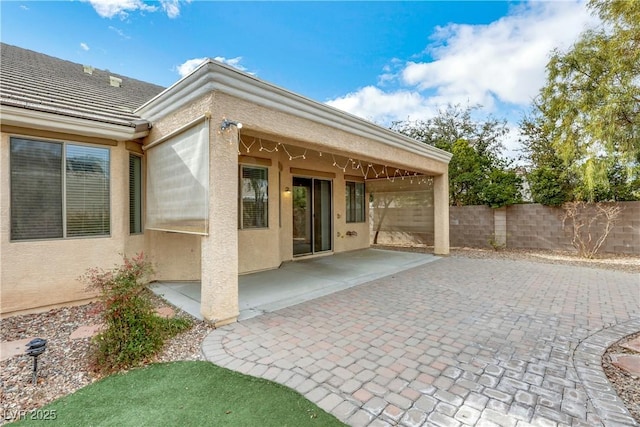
point(500, 226)
point(219, 297)
point(441, 214)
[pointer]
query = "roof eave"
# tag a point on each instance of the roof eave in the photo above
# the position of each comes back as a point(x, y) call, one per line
point(215, 76)
point(26, 118)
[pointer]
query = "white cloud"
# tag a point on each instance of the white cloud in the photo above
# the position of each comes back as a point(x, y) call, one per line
point(189, 65)
point(377, 106)
point(84, 46)
point(23, 7)
point(122, 8)
point(119, 32)
point(504, 60)
point(511, 142)
point(171, 7)
point(234, 62)
point(496, 65)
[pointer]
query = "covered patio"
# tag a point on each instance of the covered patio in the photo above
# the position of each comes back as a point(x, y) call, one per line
point(244, 177)
point(298, 281)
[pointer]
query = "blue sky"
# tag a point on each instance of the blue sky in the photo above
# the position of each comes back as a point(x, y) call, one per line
point(382, 61)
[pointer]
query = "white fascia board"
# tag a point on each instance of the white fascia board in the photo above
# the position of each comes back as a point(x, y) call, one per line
point(22, 117)
point(215, 76)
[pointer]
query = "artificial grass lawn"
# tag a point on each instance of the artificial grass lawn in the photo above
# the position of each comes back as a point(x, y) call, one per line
point(186, 394)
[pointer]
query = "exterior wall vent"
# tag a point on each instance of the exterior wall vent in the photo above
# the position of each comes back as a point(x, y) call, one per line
point(88, 69)
point(115, 81)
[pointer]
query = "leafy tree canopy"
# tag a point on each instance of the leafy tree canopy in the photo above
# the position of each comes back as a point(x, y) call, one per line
point(586, 118)
point(477, 173)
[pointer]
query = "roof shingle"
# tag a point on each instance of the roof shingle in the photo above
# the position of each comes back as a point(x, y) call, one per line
point(40, 82)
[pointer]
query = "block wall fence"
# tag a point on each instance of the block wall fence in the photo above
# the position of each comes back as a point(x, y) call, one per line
point(526, 226)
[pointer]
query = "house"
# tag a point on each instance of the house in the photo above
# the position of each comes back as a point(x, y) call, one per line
point(218, 175)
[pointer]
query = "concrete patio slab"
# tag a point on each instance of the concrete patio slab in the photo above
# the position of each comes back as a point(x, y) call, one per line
point(457, 342)
point(298, 281)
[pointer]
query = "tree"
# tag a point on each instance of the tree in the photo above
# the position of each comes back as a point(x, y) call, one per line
point(550, 182)
point(477, 173)
point(502, 188)
point(589, 109)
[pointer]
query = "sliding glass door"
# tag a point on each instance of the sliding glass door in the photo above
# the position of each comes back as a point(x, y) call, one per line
point(312, 209)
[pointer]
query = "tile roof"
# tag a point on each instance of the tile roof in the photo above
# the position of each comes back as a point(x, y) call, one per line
point(36, 81)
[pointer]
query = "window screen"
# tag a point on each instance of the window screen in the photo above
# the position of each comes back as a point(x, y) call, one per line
point(47, 203)
point(177, 183)
point(135, 194)
point(254, 197)
point(355, 201)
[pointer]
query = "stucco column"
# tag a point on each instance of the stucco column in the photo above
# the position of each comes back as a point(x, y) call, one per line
point(219, 298)
point(441, 214)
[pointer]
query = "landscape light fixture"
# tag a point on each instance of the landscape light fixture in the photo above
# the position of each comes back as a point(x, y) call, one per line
point(35, 348)
point(226, 123)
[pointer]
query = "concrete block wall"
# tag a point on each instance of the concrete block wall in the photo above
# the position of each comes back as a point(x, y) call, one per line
point(536, 226)
point(471, 226)
point(625, 236)
point(527, 226)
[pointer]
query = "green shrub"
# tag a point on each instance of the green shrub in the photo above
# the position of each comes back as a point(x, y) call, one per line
point(133, 331)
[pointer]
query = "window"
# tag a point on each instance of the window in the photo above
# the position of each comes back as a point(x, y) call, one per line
point(58, 190)
point(355, 201)
point(254, 197)
point(135, 194)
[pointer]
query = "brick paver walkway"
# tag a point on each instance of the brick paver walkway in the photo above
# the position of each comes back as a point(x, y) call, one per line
point(457, 342)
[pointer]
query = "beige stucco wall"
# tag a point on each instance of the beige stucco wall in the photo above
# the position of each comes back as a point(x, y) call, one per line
point(174, 256)
point(259, 249)
point(37, 275)
point(41, 274)
point(263, 249)
point(227, 251)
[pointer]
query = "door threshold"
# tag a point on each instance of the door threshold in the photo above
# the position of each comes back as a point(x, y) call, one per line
point(309, 256)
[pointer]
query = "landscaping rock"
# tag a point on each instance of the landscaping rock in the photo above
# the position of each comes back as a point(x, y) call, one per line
point(628, 362)
point(165, 312)
point(65, 366)
point(633, 345)
point(86, 331)
point(10, 349)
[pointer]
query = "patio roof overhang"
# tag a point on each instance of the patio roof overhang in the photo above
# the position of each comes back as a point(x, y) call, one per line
point(213, 76)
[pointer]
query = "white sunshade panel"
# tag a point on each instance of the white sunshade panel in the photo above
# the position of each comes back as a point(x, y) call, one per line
point(178, 182)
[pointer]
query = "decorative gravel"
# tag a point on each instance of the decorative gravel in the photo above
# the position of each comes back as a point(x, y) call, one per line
point(64, 367)
point(627, 385)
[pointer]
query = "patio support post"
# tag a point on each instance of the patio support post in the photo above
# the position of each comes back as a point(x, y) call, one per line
point(441, 214)
point(219, 276)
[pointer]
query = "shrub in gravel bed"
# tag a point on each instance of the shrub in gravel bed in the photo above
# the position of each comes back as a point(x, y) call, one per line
point(133, 331)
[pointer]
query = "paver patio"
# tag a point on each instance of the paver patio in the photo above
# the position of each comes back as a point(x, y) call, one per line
point(456, 342)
